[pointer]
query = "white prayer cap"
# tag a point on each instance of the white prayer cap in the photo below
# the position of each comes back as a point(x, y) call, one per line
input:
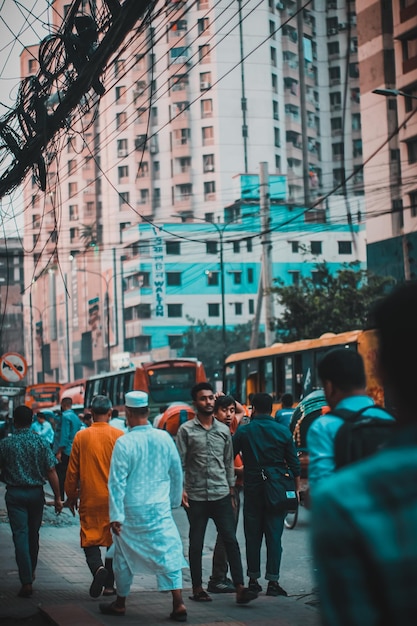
point(136, 399)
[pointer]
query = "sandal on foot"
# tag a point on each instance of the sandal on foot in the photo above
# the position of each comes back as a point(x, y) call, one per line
point(111, 609)
point(178, 616)
point(201, 596)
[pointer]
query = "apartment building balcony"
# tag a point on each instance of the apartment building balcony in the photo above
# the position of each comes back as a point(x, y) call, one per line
point(183, 204)
point(180, 149)
point(178, 87)
point(182, 177)
point(133, 328)
point(179, 120)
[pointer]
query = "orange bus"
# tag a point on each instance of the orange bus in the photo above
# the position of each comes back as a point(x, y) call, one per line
point(292, 367)
point(44, 395)
point(164, 381)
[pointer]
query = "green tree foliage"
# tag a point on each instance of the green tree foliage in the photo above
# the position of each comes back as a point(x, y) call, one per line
point(331, 303)
point(205, 343)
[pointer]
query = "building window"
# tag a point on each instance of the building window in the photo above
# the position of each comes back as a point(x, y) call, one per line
point(335, 101)
point(334, 75)
point(275, 110)
point(337, 150)
point(174, 279)
point(203, 25)
point(295, 277)
point(178, 55)
point(238, 308)
point(208, 163)
point(237, 278)
point(143, 196)
point(412, 150)
point(178, 82)
point(156, 202)
point(181, 136)
point(250, 274)
point(121, 92)
point(212, 278)
point(273, 53)
point(333, 48)
point(295, 246)
point(72, 166)
point(121, 148)
point(123, 199)
point(143, 169)
point(211, 247)
point(249, 245)
point(236, 247)
point(206, 108)
point(138, 344)
point(204, 53)
point(175, 342)
point(213, 309)
point(277, 138)
point(413, 203)
point(174, 310)
point(173, 247)
point(123, 173)
point(184, 192)
point(32, 66)
point(208, 135)
point(210, 190)
point(251, 306)
point(315, 247)
point(205, 81)
point(274, 79)
point(73, 212)
point(345, 247)
point(71, 144)
point(72, 190)
point(272, 29)
point(89, 209)
point(336, 126)
point(119, 67)
point(121, 120)
point(143, 311)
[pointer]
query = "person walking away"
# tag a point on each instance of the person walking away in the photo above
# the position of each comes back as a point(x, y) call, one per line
point(225, 412)
point(364, 516)
point(43, 428)
point(342, 374)
point(145, 483)
point(284, 415)
point(68, 427)
point(275, 448)
point(206, 451)
point(26, 462)
point(86, 488)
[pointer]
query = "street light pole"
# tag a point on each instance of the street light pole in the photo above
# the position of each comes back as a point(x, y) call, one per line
point(107, 305)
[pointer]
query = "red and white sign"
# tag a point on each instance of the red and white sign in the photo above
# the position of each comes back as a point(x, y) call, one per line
point(13, 367)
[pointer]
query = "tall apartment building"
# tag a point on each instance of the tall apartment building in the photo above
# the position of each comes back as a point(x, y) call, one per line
point(198, 97)
point(388, 62)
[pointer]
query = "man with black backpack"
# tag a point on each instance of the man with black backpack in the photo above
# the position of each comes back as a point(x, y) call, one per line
point(355, 427)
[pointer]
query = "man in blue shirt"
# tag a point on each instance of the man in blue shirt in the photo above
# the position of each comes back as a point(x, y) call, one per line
point(69, 426)
point(26, 463)
point(342, 374)
point(284, 415)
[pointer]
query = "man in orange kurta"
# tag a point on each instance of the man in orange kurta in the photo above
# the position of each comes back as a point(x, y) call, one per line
point(87, 491)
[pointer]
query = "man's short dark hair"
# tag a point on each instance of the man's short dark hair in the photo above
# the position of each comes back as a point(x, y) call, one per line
point(200, 387)
point(344, 368)
point(222, 402)
point(100, 405)
point(287, 400)
point(22, 416)
point(66, 400)
point(262, 403)
point(394, 318)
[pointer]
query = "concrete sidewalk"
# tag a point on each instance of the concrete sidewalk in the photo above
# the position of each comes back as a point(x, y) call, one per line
point(63, 580)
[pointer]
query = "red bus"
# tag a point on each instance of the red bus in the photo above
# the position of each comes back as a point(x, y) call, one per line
point(164, 381)
point(74, 390)
point(44, 395)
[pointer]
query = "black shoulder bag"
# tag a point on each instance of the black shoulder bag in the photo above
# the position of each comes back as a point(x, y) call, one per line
point(279, 487)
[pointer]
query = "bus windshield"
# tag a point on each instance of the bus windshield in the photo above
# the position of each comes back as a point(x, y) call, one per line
point(171, 384)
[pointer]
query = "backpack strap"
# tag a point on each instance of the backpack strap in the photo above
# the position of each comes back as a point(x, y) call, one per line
point(355, 416)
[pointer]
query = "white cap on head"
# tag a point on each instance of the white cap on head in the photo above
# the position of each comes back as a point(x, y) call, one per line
point(136, 399)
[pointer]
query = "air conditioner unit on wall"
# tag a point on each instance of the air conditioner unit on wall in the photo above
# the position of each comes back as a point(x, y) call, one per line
point(205, 85)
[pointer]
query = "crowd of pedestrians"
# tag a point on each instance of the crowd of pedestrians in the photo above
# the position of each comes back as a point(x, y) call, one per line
point(124, 484)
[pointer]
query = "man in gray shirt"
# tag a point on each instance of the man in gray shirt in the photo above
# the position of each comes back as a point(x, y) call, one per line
point(206, 451)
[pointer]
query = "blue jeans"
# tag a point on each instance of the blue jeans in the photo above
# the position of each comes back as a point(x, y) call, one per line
point(25, 511)
point(258, 522)
point(221, 512)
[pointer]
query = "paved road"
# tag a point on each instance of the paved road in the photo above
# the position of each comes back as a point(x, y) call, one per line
point(63, 580)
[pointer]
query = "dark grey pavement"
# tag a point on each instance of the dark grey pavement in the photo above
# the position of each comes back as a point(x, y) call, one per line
point(63, 580)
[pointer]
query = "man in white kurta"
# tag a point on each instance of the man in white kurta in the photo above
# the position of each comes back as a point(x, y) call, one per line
point(145, 483)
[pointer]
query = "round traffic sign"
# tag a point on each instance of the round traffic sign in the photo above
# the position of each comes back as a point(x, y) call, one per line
point(13, 367)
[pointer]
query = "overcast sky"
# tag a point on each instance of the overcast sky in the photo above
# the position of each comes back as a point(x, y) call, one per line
point(21, 24)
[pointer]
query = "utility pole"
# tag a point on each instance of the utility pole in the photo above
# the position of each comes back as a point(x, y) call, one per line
point(303, 108)
point(266, 254)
